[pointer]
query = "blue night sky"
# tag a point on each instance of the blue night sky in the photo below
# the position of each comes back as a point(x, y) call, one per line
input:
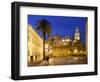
point(62, 25)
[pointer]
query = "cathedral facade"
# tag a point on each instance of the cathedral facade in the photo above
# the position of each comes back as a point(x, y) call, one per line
point(58, 46)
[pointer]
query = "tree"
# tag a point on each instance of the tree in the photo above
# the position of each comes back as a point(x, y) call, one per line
point(44, 27)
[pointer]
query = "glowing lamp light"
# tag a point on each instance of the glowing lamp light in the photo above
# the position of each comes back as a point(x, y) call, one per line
point(50, 51)
point(67, 40)
point(81, 51)
point(63, 40)
point(75, 50)
point(46, 45)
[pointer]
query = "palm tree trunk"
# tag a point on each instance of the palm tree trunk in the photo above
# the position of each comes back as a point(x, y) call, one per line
point(43, 45)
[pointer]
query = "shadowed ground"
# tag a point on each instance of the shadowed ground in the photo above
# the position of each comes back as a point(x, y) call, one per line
point(60, 61)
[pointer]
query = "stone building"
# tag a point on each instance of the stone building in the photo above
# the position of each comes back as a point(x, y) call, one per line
point(58, 46)
point(35, 45)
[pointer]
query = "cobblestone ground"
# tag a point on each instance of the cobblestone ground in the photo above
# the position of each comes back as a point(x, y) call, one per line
point(67, 60)
point(60, 61)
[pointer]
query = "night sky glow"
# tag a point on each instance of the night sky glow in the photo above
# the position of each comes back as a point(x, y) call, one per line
point(62, 25)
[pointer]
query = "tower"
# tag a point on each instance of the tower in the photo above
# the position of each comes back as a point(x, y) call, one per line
point(77, 34)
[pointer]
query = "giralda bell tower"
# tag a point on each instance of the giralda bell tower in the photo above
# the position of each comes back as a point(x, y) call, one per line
point(77, 34)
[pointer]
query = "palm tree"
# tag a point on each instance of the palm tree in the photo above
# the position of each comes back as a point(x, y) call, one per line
point(44, 27)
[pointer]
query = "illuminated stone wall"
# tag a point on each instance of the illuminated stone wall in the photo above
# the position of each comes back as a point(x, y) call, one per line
point(65, 46)
point(35, 45)
point(59, 46)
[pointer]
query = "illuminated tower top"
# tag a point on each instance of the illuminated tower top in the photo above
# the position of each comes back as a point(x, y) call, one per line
point(77, 34)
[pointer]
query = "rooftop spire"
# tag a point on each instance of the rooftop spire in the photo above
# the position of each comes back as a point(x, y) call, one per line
point(77, 30)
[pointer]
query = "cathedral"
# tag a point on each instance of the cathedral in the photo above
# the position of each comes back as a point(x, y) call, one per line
point(58, 46)
point(55, 46)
